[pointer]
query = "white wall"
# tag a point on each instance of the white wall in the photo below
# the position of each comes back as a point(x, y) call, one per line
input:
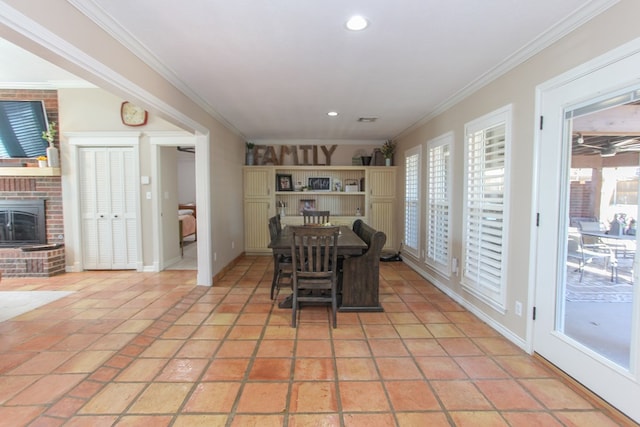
point(186, 171)
point(517, 87)
point(96, 110)
point(169, 196)
point(84, 49)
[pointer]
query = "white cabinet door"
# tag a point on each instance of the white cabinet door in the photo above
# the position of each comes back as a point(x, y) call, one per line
point(108, 207)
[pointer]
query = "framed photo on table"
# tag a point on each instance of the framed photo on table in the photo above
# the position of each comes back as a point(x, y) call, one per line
point(306, 205)
point(284, 182)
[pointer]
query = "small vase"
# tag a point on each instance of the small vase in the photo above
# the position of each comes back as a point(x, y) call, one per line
point(42, 163)
point(387, 161)
point(249, 158)
point(53, 157)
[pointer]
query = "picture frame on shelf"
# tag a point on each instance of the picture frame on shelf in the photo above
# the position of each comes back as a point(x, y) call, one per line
point(306, 204)
point(284, 182)
point(319, 183)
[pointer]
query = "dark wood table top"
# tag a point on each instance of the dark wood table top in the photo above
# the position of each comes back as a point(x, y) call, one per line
point(348, 242)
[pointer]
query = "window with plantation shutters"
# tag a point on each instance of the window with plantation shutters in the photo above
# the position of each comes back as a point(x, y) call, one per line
point(412, 202)
point(21, 127)
point(486, 201)
point(438, 201)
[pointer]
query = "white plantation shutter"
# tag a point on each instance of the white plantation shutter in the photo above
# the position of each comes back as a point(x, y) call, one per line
point(438, 200)
point(21, 133)
point(412, 202)
point(486, 204)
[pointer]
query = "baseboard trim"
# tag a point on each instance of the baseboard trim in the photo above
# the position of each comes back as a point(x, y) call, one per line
point(598, 402)
point(226, 268)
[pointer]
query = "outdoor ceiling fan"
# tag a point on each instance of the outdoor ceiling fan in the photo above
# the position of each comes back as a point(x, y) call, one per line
point(608, 146)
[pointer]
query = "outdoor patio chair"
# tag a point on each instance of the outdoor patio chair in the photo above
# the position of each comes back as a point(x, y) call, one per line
point(584, 256)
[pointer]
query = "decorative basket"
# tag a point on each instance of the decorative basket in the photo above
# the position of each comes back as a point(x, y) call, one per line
point(351, 186)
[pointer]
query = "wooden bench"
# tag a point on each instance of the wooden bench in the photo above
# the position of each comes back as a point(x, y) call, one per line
point(361, 274)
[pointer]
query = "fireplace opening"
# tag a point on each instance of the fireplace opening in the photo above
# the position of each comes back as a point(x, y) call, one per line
point(22, 223)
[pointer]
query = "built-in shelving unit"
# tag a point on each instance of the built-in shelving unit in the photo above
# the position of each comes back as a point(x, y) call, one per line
point(342, 204)
point(370, 197)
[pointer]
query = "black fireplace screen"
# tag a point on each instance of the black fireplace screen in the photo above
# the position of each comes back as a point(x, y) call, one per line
point(22, 223)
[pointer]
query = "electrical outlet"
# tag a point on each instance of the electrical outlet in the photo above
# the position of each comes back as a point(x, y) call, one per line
point(233, 244)
point(215, 257)
point(518, 308)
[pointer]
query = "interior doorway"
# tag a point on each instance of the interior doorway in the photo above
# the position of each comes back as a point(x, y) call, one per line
point(187, 209)
point(170, 241)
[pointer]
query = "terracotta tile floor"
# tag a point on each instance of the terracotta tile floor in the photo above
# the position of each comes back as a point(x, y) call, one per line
point(141, 349)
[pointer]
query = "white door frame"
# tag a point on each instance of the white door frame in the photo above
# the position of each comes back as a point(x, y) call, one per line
point(203, 198)
point(609, 73)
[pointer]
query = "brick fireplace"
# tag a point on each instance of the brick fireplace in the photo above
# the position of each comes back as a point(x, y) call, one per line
point(15, 262)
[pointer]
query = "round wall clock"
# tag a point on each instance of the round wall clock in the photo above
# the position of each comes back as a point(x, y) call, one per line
point(132, 115)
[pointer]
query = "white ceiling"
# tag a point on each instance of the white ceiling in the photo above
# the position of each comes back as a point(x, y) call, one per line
point(273, 69)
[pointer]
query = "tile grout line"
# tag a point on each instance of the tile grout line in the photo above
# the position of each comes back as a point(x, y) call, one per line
point(113, 370)
point(234, 407)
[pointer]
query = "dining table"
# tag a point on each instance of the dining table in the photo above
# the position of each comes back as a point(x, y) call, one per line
point(605, 235)
point(625, 243)
point(622, 245)
point(349, 244)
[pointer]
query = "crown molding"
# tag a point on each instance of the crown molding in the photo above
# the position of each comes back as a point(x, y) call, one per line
point(49, 85)
point(101, 18)
point(32, 30)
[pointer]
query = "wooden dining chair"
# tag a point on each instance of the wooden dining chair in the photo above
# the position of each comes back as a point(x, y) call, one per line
point(282, 265)
point(314, 257)
point(315, 217)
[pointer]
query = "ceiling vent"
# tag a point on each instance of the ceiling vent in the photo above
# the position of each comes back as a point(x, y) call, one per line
point(367, 119)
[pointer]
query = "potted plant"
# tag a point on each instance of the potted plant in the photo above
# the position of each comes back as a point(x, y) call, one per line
point(249, 154)
point(53, 158)
point(42, 161)
point(387, 151)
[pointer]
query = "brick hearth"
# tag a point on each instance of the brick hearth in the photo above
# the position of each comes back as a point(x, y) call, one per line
point(13, 261)
point(16, 263)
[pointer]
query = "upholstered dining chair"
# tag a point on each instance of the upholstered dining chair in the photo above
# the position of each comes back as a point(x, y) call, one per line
point(314, 257)
point(315, 217)
point(282, 266)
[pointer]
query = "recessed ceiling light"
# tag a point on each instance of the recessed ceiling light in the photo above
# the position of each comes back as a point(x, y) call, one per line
point(357, 23)
point(332, 113)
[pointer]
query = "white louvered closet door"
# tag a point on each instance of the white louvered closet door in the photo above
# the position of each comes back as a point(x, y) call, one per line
point(108, 211)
